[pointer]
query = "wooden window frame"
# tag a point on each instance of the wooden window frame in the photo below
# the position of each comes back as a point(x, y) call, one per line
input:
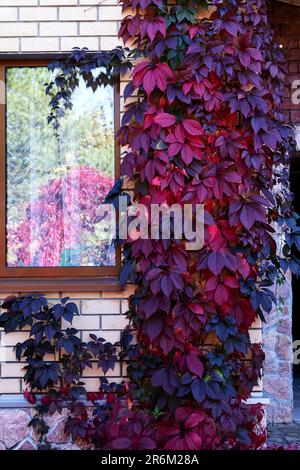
point(48, 279)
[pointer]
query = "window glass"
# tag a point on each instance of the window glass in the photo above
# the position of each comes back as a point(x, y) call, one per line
point(297, 135)
point(56, 185)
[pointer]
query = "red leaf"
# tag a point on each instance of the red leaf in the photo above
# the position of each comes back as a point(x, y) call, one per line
point(165, 70)
point(196, 308)
point(174, 149)
point(176, 443)
point(141, 67)
point(192, 127)
point(187, 87)
point(30, 397)
point(91, 396)
point(193, 420)
point(187, 154)
point(221, 294)
point(149, 81)
point(183, 412)
point(193, 441)
point(151, 30)
point(231, 282)
point(139, 73)
point(211, 283)
point(165, 119)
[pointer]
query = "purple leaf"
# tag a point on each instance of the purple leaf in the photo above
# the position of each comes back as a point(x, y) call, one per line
point(194, 364)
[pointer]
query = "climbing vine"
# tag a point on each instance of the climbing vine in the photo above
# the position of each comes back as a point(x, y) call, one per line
point(203, 126)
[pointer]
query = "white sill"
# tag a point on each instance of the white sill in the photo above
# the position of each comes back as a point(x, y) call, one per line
point(18, 401)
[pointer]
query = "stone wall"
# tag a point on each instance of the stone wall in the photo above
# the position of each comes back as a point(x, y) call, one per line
point(277, 344)
point(16, 435)
point(277, 333)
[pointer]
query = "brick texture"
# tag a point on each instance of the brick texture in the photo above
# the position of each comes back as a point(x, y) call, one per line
point(285, 20)
point(101, 314)
point(58, 25)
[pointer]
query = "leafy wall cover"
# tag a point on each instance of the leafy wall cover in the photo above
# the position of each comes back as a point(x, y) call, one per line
point(203, 126)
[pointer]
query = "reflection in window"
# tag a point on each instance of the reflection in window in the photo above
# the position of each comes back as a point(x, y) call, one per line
point(55, 186)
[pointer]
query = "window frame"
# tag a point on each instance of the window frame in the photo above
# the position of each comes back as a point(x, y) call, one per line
point(51, 279)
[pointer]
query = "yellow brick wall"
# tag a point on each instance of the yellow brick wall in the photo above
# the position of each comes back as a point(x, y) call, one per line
point(58, 25)
point(100, 313)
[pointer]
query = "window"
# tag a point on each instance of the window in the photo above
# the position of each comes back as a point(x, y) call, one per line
point(53, 234)
point(297, 136)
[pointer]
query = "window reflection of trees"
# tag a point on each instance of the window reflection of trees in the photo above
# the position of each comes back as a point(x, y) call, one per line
point(38, 164)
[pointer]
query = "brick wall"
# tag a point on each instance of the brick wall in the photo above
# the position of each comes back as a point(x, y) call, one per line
point(58, 25)
point(285, 20)
point(100, 313)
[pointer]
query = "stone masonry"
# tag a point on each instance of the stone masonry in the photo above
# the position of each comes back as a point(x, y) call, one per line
point(16, 435)
point(277, 332)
